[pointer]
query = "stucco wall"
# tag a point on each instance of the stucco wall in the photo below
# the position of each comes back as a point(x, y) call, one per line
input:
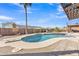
point(16, 31)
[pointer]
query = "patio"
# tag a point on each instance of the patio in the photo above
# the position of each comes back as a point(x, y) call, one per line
point(63, 47)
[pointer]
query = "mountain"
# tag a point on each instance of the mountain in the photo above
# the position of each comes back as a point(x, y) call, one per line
point(29, 27)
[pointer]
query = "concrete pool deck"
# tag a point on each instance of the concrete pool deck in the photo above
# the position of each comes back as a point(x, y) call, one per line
point(60, 48)
point(19, 45)
point(68, 46)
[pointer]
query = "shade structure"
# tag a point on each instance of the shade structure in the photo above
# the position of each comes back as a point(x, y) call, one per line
point(71, 10)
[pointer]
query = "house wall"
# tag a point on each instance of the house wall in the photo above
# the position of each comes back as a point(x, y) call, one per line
point(74, 27)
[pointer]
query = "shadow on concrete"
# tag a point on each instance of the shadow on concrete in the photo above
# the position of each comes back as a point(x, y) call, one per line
point(54, 53)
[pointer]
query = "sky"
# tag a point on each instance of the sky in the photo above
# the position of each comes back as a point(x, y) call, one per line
point(39, 14)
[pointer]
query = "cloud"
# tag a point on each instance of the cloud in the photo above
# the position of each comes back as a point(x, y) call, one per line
point(18, 4)
point(63, 16)
point(60, 10)
point(22, 11)
point(20, 22)
point(50, 4)
point(29, 12)
point(57, 16)
point(29, 9)
point(42, 21)
point(5, 18)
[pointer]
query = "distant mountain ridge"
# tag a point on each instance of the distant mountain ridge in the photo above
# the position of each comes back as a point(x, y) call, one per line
point(29, 27)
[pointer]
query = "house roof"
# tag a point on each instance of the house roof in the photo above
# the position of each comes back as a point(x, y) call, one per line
point(76, 25)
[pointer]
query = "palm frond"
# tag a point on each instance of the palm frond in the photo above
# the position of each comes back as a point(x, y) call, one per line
point(26, 4)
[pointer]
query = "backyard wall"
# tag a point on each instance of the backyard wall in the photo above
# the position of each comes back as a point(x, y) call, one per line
point(16, 31)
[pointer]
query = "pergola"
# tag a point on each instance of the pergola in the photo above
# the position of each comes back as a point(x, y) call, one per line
point(71, 10)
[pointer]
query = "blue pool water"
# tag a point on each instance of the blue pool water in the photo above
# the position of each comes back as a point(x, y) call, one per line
point(41, 37)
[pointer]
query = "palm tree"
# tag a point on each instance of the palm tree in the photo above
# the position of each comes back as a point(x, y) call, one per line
point(25, 5)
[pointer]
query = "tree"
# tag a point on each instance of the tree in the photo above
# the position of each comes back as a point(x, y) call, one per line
point(25, 5)
point(56, 29)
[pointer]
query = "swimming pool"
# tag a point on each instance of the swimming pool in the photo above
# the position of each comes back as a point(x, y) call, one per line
point(41, 37)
